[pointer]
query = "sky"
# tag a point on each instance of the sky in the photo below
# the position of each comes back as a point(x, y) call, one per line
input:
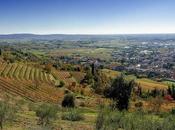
point(87, 16)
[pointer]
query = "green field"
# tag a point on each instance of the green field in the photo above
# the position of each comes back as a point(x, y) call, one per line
point(101, 53)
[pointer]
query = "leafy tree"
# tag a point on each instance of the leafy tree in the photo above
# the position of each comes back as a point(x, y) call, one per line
point(46, 112)
point(120, 92)
point(68, 101)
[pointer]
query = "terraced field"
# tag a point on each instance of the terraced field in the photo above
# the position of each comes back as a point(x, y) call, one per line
point(29, 91)
point(24, 72)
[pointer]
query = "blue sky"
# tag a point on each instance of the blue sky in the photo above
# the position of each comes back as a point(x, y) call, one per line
point(87, 16)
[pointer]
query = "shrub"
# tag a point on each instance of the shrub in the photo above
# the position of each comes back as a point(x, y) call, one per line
point(32, 106)
point(72, 115)
point(168, 98)
point(7, 113)
point(108, 119)
point(61, 84)
point(100, 120)
point(46, 112)
point(68, 101)
point(115, 120)
point(173, 111)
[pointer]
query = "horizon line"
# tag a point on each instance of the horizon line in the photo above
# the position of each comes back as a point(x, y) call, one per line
point(87, 33)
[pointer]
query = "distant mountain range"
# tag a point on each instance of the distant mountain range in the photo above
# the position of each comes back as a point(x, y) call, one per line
point(87, 37)
point(55, 37)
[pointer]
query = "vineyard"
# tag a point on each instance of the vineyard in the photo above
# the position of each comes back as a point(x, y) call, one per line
point(34, 83)
point(30, 91)
point(28, 82)
point(23, 72)
point(64, 76)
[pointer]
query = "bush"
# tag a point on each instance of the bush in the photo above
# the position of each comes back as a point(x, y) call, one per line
point(68, 101)
point(61, 84)
point(100, 121)
point(7, 113)
point(173, 111)
point(46, 112)
point(108, 119)
point(72, 115)
point(32, 106)
point(115, 120)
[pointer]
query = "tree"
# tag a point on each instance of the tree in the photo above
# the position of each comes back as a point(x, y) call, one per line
point(6, 113)
point(68, 101)
point(171, 90)
point(93, 68)
point(101, 82)
point(46, 112)
point(89, 78)
point(120, 92)
point(155, 92)
point(0, 52)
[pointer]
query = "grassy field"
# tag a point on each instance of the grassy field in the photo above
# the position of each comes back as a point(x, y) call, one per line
point(144, 82)
point(26, 119)
point(101, 53)
point(150, 84)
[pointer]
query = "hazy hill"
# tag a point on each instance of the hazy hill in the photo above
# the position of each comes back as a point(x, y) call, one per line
point(88, 37)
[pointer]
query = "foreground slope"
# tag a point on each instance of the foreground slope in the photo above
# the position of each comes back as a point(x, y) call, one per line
point(29, 82)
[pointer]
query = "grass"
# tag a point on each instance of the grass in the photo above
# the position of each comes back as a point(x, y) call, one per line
point(70, 119)
point(168, 82)
point(72, 115)
point(113, 120)
point(111, 73)
point(150, 84)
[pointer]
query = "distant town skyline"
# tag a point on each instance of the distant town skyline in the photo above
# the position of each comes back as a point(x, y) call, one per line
point(87, 16)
